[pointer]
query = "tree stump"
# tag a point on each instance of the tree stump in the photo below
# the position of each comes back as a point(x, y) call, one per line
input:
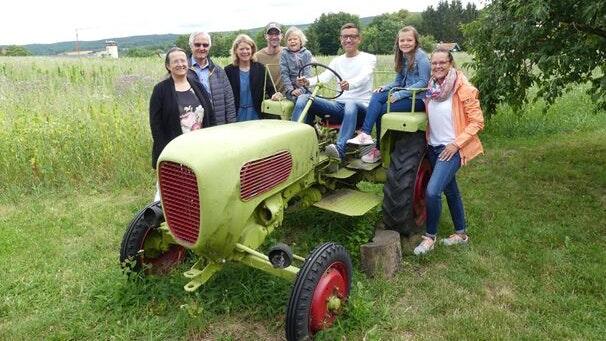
point(382, 256)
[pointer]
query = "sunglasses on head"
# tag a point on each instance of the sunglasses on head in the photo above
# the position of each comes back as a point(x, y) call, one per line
point(201, 44)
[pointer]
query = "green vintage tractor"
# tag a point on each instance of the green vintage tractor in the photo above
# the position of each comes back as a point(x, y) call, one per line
point(225, 188)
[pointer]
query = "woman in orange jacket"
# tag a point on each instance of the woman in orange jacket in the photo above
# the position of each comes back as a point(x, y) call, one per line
point(455, 118)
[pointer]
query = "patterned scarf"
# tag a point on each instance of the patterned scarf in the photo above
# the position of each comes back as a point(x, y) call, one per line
point(440, 92)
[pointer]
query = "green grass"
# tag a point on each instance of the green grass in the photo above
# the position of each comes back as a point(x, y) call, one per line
point(535, 204)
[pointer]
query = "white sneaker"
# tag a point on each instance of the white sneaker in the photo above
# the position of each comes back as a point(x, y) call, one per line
point(333, 153)
point(374, 155)
point(455, 239)
point(425, 246)
point(362, 139)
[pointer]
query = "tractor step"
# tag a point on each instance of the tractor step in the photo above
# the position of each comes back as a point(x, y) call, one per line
point(349, 202)
point(199, 277)
point(359, 164)
point(342, 173)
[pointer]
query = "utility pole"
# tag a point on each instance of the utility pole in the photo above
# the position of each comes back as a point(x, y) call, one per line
point(77, 44)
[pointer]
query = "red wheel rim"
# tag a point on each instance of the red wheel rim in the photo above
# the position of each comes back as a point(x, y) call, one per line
point(418, 204)
point(332, 285)
point(165, 261)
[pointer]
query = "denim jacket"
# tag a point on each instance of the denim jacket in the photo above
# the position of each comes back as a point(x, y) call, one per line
point(418, 77)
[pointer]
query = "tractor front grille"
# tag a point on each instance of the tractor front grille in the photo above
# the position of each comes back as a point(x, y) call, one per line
point(260, 176)
point(180, 200)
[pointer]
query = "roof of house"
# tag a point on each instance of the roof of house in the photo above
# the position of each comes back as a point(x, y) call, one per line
point(448, 46)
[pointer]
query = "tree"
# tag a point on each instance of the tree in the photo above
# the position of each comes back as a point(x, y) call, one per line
point(259, 39)
point(427, 43)
point(379, 35)
point(221, 43)
point(444, 22)
point(549, 44)
point(323, 33)
point(15, 50)
point(371, 42)
point(139, 52)
point(183, 42)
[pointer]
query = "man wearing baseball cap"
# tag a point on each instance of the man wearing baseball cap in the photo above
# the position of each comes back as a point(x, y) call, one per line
point(270, 55)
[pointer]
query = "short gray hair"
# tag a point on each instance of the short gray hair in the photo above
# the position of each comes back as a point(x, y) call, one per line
point(297, 32)
point(193, 36)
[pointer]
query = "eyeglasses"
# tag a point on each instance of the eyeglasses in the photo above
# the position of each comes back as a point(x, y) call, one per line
point(441, 63)
point(205, 45)
point(350, 36)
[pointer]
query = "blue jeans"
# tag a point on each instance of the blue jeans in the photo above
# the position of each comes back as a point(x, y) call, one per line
point(378, 106)
point(443, 181)
point(348, 113)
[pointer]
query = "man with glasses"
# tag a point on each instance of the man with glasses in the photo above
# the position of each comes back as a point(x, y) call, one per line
point(270, 55)
point(211, 79)
point(356, 68)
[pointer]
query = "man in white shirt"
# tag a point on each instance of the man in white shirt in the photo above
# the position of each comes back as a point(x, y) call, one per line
point(356, 68)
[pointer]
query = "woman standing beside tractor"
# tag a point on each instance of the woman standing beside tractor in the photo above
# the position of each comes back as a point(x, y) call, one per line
point(247, 78)
point(455, 118)
point(412, 67)
point(176, 106)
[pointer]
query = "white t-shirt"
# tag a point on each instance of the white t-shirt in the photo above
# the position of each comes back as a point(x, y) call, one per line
point(441, 127)
point(357, 71)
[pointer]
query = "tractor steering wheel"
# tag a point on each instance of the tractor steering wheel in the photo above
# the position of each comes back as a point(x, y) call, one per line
point(336, 90)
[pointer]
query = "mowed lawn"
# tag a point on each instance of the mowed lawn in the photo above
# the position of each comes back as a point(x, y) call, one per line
point(535, 268)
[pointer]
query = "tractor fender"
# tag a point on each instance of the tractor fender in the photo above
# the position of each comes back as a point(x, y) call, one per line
point(395, 123)
point(404, 121)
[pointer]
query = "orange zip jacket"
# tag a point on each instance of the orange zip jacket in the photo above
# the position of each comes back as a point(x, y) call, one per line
point(467, 118)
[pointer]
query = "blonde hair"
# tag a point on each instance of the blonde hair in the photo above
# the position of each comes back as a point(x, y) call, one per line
point(295, 30)
point(242, 38)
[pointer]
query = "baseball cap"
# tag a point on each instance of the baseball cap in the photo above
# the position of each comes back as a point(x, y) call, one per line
point(273, 25)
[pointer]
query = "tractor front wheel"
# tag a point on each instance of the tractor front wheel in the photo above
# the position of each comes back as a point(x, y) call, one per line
point(404, 191)
point(320, 291)
point(143, 247)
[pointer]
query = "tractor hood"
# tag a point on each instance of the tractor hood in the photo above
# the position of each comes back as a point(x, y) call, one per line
point(212, 179)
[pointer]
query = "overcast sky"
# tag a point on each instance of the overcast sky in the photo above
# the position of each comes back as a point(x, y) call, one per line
point(27, 22)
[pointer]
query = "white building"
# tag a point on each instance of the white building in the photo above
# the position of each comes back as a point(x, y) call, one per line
point(111, 48)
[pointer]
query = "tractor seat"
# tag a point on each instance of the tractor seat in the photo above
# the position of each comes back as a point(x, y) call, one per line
point(325, 122)
point(329, 125)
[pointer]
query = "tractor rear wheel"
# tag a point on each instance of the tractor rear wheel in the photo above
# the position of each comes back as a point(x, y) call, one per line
point(404, 191)
point(319, 292)
point(143, 249)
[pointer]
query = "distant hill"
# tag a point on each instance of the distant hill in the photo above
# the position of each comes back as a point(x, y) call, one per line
point(159, 41)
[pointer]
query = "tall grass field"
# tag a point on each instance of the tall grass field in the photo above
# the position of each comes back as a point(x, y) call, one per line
point(75, 166)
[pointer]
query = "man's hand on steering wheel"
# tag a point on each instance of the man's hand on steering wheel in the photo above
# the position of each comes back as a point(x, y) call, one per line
point(304, 82)
point(344, 85)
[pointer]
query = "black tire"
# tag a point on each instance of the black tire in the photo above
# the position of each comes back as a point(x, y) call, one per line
point(331, 264)
point(142, 227)
point(407, 167)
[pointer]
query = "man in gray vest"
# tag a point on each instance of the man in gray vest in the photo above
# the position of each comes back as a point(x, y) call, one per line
point(211, 78)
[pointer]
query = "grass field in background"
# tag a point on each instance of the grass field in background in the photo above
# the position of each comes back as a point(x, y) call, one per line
point(74, 168)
